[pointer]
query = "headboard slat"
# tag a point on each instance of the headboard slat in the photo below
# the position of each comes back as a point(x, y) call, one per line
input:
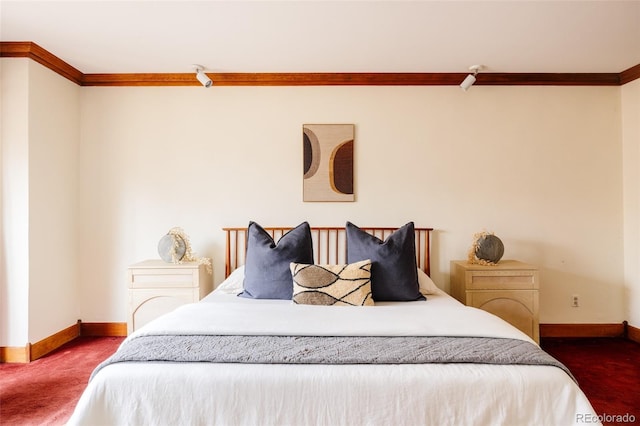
point(327, 249)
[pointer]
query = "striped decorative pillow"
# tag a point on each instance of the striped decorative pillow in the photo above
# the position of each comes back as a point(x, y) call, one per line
point(332, 284)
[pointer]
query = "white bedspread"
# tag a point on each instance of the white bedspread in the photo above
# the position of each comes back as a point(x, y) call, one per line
point(255, 394)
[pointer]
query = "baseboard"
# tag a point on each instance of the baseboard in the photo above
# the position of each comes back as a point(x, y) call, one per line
point(31, 352)
point(15, 354)
point(633, 333)
point(103, 329)
point(582, 330)
point(53, 342)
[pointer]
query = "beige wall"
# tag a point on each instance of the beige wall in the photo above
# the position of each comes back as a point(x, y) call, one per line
point(631, 156)
point(40, 136)
point(54, 123)
point(14, 286)
point(539, 166)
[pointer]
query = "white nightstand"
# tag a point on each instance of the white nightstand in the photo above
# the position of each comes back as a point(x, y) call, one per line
point(157, 287)
point(508, 290)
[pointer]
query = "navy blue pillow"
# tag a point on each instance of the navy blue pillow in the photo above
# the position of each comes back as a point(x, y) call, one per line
point(394, 272)
point(267, 274)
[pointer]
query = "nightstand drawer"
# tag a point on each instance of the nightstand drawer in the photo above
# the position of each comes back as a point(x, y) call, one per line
point(163, 278)
point(488, 280)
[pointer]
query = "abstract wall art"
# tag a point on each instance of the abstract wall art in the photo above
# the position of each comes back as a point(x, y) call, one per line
point(328, 162)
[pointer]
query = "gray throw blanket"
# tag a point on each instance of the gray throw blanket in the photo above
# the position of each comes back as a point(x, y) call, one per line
point(330, 350)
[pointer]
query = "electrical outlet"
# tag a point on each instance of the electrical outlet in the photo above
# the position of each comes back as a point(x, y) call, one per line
point(575, 301)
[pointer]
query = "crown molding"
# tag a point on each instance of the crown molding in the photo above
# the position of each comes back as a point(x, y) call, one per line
point(32, 51)
point(142, 79)
point(28, 49)
point(630, 74)
point(547, 79)
point(353, 79)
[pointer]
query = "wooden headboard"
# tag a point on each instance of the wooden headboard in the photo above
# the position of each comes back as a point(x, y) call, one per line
point(329, 245)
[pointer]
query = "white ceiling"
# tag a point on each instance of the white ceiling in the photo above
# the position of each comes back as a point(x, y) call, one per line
point(331, 36)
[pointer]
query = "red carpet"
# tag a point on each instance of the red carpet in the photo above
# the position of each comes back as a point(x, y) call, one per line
point(45, 391)
point(608, 372)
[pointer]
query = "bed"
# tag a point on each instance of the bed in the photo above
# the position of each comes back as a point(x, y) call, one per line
point(233, 360)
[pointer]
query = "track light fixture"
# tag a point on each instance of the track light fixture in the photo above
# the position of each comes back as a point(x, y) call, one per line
point(471, 78)
point(201, 76)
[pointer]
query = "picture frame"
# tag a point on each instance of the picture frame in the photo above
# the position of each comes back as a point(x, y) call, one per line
point(328, 162)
